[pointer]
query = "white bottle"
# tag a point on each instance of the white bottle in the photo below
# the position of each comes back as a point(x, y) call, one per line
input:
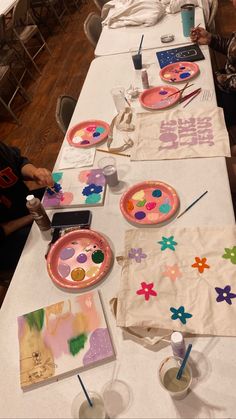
point(178, 344)
point(38, 212)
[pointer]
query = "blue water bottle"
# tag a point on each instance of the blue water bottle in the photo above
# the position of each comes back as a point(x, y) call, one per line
point(188, 18)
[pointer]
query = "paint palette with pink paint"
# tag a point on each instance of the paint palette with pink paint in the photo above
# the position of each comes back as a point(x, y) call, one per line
point(149, 203)
point(75, 188)
point(79, 259)
point(88, 133)
point(179, 72)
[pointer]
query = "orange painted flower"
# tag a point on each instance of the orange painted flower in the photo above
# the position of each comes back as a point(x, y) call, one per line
point(200, 264)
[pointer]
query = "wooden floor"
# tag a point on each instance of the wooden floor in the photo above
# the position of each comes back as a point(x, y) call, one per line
point(39, 137)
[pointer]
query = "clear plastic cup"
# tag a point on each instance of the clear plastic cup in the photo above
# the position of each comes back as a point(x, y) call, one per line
point(81, 409)
point(168, 369)
point(118, 95)
point(136, 58)
point(108, 166)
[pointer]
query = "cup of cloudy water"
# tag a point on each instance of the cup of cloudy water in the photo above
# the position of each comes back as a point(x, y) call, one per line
point(168, 370)
point(108, 166)
point(81, 409)
point(118, 95)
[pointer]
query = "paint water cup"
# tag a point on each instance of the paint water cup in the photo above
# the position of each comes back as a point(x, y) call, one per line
point(108, 166)
point(81, 409)
point(188, 18)
point(118, 95)
point(168, 369)
point(136, 58)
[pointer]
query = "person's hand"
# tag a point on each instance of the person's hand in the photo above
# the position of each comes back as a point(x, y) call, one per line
point(43, 177)
point(200, 36)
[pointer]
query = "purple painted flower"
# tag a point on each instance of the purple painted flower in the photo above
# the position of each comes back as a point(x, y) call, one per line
point(92, 189)
point(96, 177)
point(224, 294)
point(137, 254)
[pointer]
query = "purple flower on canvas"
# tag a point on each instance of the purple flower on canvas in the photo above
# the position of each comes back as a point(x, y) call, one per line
point(96, 177)
point(137, 254)
point(224, 294)
point(91, 189)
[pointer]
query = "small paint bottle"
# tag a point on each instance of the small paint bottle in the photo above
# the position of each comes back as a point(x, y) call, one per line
point(144, 77)
point(178, 344)
point(38, 213)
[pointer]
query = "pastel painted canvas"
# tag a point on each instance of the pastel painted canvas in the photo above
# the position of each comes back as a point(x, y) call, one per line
point(63, 338)
point(75, 188)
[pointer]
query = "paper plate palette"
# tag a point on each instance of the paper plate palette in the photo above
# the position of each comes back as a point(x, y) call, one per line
point(79, 259)
point(88, 133)
point(159, 97)
point(149, 202)
point(179, 72)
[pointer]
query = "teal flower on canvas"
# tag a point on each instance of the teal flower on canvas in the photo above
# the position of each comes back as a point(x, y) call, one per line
point(180, 313)
point(168, 243)
point(230, 254)
point(94, 198)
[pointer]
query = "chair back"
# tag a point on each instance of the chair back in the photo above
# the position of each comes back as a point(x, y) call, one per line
point(93, 27)
point(20, 12)
point(64, 111)
point(213, 10)
point(2, 30)
point(100, 3)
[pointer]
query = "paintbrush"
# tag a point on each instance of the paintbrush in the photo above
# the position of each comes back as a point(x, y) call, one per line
point(193, 203)
point(113, 152)
point(193, 97)
point(181, 90)
point(183, 99)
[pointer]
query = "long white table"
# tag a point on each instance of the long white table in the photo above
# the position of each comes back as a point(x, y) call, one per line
point(213, 389)
point(120, 40)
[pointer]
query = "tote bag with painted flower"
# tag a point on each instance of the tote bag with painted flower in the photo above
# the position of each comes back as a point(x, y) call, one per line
point(179, 279)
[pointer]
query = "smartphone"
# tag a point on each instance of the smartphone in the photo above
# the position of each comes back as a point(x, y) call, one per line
point(71, 218)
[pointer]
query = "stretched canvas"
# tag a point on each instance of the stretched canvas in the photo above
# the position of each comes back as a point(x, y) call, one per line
point(180, 134)
point(179, 279)
point(77, 189)
point(63, 338)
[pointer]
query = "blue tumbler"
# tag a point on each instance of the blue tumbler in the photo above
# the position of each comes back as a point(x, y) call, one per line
point(188, 15)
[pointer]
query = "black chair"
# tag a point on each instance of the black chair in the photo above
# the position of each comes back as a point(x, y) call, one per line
point(64, 111)
point(93, 28)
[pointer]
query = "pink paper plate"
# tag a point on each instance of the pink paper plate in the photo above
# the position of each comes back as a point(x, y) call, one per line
point(79, 259)
point(179, 72)
point(88, 133)
point(149, 202)
point(158, 97)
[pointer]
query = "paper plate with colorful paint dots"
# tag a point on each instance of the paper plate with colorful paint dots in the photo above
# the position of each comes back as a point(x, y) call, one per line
point(79, 259)
point(149, 202)
point(88, 133)
point(179, 72)
point(160, 97)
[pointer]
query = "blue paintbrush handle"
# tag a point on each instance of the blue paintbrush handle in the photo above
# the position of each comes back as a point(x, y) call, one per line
point(181, 370)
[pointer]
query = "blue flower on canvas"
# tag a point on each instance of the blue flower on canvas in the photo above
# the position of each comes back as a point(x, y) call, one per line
point(92, 189)
point(180, 313)
point(230, 254)
point(168, 243)
point(96, 177)
point(224, 294)
point(137, 254)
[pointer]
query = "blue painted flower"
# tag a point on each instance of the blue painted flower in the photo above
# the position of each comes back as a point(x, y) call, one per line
point(224, 294)
point(179, 313)
point(96, 177)
point(167, 243)
point(91, 189)
point(137, 254)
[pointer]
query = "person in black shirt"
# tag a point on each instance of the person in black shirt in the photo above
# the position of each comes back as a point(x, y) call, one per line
point(15, 220)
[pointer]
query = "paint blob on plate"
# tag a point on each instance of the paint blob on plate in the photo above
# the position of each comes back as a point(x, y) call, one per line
point(88, 133)
point(150, 202)
point(79, 259)
point(179, 72)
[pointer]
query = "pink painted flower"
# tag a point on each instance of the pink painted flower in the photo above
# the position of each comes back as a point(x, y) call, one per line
point(146, 290)
point(173, 272)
